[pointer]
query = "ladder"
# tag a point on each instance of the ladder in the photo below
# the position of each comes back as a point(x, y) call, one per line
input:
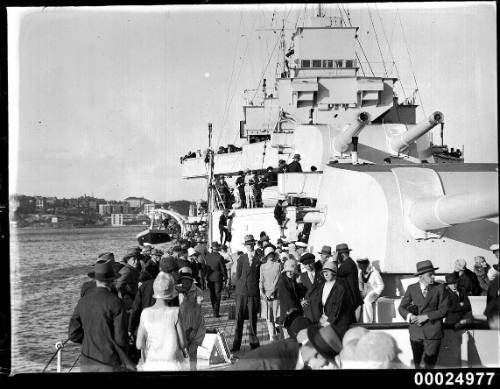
point(218, 198)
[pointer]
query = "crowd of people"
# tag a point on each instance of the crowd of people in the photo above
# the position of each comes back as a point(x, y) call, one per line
point(143, 312)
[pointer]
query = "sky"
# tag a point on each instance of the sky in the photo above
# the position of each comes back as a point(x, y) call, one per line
point(103, 101)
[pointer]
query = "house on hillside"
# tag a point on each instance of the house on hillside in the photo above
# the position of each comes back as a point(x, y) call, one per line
point(137, 202)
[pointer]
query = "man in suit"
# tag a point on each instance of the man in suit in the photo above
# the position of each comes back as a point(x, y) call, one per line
point(424, 306)
point(309, 280)
point(216, 276)
point(129, 273)
point(325, 255)
point(459, 308)
point(99, 323)
point(294, 166)
point(348, 272)
point(313, 349)
point(90, 285)
point(247, 293)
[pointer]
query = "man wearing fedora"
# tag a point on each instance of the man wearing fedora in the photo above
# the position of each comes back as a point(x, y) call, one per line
point(325, 255)
point(216, 276)
point(129, 273)
point(348, 273)
point(247, 293)
point(459, 313)
point(193, 322)
point(294, 166)
point(424, 306)
point(99, 323)
point(309, 280)
point(90, 285)
point(314, 349)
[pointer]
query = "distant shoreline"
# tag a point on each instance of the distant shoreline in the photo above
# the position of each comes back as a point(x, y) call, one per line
point(76, 227)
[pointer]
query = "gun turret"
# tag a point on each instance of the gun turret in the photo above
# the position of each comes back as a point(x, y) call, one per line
point(342, 142)
point(445, 211)
point(403, 140)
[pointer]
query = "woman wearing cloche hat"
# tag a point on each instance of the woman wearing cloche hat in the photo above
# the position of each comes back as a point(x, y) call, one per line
point(161, 336)
point(289, 292)
point(268, 285)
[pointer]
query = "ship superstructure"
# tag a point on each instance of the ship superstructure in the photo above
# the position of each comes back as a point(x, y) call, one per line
point(323, 98)
point(379, 182)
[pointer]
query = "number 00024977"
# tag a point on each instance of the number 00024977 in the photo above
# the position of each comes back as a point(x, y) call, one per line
point(454, 378)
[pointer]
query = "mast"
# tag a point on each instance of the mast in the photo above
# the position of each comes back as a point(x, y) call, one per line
point(210, 179)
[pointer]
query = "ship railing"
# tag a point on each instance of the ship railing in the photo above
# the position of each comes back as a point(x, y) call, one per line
point(59, 346)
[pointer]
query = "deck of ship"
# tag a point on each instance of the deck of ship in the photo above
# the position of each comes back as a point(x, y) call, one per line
point(227, 326)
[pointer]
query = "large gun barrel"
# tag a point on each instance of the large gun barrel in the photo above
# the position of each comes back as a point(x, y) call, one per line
point(401, 141)
point(445, 211)
point(341, 142)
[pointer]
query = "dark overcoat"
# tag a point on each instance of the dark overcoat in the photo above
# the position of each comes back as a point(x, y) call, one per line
point(294, 167)
point(348, 271)
point(215, 267)
point(143, 299)
point(99, 323)
point(457, 312)
point(289, 295)
point(337, 307)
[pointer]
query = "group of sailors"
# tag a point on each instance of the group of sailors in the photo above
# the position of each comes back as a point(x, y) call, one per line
point(144, 311)
point(248, 187)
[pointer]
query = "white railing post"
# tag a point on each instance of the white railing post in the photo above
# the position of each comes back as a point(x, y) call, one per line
point(59, 348)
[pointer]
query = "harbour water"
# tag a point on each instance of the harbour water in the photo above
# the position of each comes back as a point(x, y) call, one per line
point(48, 267)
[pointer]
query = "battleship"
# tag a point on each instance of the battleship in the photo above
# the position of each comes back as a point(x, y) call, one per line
point(381, 184)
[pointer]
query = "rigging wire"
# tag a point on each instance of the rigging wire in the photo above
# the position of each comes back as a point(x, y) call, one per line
point(411, 63)
point(243, 58)
point(390, 52)
point(376, 39)
point(224, 114)
point(270, 58)
point(357, 56)
point(54, 355)
point(360, 45)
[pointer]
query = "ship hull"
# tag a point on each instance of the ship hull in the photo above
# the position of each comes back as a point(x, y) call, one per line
point(153, 236)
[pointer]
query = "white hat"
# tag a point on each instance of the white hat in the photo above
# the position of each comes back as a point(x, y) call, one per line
point(460, 264)
point(268, 250)
point(300, 244)
point(164, 287)
point(494, 247)
point(192, 251)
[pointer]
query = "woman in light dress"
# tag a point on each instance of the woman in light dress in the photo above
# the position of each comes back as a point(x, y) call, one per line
point(160, 336)
point(270, 272)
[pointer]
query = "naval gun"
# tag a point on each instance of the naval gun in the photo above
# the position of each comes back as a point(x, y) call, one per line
point(401, 141)
point(397, 215)
point(342, 141)
point(445, 211)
